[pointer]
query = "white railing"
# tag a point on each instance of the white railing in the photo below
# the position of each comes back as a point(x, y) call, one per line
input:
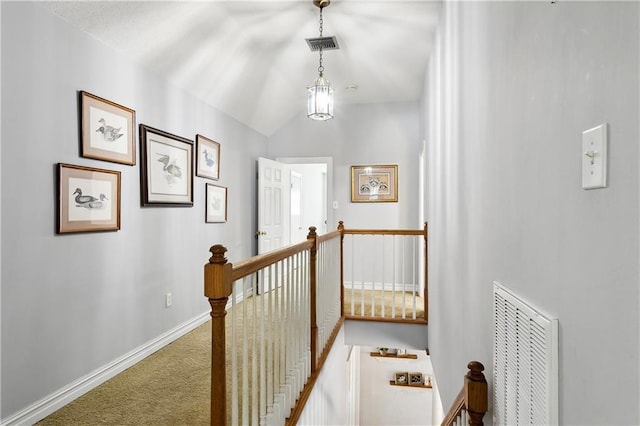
point(269, 339)
point(274, 317)
point(384, 274)
point(327, 292)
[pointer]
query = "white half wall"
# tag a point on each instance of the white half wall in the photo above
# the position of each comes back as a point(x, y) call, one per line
point(328, 403)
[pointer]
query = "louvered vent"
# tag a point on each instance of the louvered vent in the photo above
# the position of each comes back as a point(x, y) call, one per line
point(327, 43)
point(525, 371)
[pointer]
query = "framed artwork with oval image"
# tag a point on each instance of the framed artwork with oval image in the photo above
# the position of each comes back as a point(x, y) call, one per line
point(374, 184)
point(88, 199)
point(108, 130)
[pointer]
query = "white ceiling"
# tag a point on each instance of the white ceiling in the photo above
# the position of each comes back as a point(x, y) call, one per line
point(250, 60)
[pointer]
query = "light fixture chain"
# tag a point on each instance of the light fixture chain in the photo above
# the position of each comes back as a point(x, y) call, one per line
point(321, 68)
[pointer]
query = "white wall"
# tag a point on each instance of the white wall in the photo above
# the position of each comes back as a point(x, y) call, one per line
point(383, 404)
point(312, 197)
point(510, 88)
point(72, 304)
point(359, 135)
point(328, 403)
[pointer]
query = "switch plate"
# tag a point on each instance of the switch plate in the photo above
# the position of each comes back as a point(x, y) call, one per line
point(594, 157)
point(335, 204)
point(168, 300)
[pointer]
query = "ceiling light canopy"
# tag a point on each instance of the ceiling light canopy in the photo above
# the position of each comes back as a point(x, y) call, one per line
point(320, 93)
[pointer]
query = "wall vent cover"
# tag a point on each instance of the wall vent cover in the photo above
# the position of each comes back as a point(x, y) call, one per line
point(525, 370)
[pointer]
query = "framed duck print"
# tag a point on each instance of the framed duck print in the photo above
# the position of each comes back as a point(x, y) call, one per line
point(374, 184)
point(166, 172)
point(207, 158)
point(88, 199)
point(107, 129)
point(216, 210)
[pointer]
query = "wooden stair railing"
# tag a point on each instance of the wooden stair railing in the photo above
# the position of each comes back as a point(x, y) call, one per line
point(220, 277)
point(323, 264)
point(472, 401)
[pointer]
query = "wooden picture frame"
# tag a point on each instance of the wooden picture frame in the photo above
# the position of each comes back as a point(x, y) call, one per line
point(216, 203)
point(374, 184)
point(166, 173)
point(401, 378)
point(108, 130)
point(416, 379)
point(207, 158)
point(88, 199)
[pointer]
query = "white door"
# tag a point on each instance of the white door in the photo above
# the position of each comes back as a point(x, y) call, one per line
point(273, 179)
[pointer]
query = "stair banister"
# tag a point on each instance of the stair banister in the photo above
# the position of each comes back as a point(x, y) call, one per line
point(218, 288)
point(472, 401)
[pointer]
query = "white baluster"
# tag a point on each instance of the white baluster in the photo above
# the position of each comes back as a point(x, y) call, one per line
point(234, 354)
point(383, 264)
point(393, 276)
point(246, 407)
point(263, 352)
point(255, 406)
point(403, 279)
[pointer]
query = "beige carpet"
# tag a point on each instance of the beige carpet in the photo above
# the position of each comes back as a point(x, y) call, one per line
point(389, 301)
point(169, 387)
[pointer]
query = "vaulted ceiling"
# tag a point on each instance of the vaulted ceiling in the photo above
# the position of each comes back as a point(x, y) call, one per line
point(250, 60)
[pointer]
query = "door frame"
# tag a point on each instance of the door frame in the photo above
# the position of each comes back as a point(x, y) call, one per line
point(330, 225)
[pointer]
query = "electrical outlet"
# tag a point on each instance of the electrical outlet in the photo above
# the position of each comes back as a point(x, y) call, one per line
point(168, 300)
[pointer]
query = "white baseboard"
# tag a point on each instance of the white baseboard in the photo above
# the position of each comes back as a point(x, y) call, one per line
point(41, 409)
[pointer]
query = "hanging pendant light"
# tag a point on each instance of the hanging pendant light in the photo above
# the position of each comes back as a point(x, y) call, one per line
point(320, 93)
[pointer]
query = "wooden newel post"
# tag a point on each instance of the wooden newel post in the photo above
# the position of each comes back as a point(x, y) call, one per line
point(217, 288)
point(313, 297)
point(475, 390)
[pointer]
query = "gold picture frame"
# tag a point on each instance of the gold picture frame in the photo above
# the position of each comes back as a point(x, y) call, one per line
point(108, 130)
point(401, 378)
point(374, 184)
point(88, 199)
point(416, 379)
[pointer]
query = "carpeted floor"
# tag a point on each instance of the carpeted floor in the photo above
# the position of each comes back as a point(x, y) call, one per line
point(170, 387)
point(389, 301)
point(173, 385)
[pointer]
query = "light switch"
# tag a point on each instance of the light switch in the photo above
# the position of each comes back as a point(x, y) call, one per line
point(594, 157)
point(335, 204)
